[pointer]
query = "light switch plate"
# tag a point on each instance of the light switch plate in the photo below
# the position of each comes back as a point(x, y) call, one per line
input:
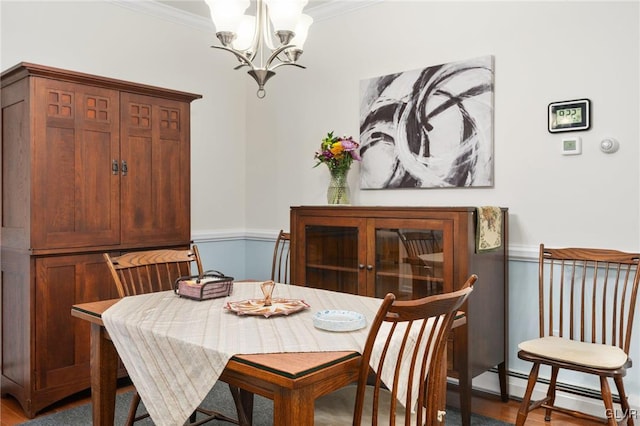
point(571, 145)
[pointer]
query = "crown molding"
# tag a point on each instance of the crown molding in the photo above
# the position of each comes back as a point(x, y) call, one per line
point(168, 13)
point(326, 10)
point(332, 8)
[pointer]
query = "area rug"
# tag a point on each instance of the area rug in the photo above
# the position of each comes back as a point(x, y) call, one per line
point(220, 399)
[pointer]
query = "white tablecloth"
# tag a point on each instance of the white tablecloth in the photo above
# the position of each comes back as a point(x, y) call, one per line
point(175, 349)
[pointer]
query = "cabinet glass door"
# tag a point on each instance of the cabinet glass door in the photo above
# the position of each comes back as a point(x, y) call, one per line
point(331, 257)
point(410, 262)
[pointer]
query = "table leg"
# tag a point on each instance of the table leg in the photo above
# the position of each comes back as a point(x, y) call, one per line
point(502, 375)
point(244, 405)
point(104, 370)
point(293, 407)
point(465, 399)
point(464, 387)
point(247, 403)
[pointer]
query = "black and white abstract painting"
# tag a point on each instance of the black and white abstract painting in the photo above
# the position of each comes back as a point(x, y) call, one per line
point(428, 128)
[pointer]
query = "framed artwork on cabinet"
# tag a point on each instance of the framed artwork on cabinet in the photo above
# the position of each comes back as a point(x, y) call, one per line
point(428, 128)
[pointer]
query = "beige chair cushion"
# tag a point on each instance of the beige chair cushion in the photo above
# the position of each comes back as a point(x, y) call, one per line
point(582, 353)
point(336, 408)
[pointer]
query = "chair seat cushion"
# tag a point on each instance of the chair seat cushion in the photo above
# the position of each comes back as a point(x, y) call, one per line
point(581, 353)
point(336, 408)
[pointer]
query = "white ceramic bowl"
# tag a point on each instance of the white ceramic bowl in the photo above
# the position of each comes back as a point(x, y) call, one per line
point(334, 320)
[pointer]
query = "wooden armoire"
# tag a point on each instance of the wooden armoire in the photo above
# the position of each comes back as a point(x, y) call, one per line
point(89, 165)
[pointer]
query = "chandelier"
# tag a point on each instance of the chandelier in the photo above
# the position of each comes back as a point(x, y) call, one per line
point(264, 42)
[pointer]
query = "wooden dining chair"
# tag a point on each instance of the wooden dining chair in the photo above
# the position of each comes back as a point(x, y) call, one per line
point(142, 272)
point(424, 254)
point(421, 242)
point(587, 300)
point(280, 266)
point(415, 375)
point(150, 271)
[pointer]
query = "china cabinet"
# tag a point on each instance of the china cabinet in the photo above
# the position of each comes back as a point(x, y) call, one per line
point(89, 165)
point(412, 252)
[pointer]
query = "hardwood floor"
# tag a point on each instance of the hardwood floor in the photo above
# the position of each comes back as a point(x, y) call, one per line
point(491, 406)
point(11, 413)
point(487, 405)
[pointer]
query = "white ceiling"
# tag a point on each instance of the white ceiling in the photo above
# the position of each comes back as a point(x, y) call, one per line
point(318, 9)
point(196, 7)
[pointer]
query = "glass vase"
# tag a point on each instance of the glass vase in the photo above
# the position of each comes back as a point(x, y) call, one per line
point(338, 191)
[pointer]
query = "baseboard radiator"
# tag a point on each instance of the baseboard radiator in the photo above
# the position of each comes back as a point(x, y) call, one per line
point(563, 387)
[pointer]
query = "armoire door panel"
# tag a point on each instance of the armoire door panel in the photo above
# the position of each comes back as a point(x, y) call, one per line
point(62, 342)
point(74, 188)
point(169, 154)
point(155, 145)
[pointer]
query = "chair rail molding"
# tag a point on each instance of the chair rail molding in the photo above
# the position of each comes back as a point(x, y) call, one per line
point(218, 235)
point(520, 253)
point(523, 253)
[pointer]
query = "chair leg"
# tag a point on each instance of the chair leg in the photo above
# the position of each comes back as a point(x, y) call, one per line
point(551, 393)
point(135, 402)
point(523, 412)
point(608, 400)
point(624, 401)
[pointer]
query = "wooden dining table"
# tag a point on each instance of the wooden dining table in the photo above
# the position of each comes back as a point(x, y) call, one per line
point(292, 380)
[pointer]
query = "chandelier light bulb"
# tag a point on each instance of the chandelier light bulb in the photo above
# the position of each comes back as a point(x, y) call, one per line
point(302, 31)
point(246, 33)
point(285, 14)
point(227, 14)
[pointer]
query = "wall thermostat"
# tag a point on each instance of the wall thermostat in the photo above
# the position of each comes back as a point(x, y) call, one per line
point(569, 116)
point(571, 146)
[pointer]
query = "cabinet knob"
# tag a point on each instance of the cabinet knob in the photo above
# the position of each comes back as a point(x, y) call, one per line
point(125, 169)
point(114, 167)
point(369, 267)
point(360, 266)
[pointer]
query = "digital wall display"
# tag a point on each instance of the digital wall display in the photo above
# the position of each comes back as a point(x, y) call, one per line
point(569, 116)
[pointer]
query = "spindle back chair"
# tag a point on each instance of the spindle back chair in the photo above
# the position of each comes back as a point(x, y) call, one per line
point(587, 300)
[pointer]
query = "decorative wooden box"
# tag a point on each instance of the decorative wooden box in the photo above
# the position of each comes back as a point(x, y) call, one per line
point(210, 285)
